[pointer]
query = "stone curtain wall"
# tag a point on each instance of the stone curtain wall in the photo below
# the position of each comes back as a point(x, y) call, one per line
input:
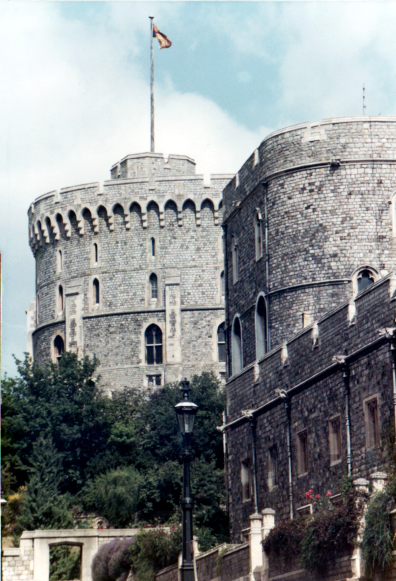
point(329, 191)
point(148, 197)
point(17, 564)
point(317, 393)
point(30, 561)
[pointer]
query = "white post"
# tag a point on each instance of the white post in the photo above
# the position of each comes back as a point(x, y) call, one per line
point(378, 480)
point(255, 548)
point(360, 485)
point(268, 525)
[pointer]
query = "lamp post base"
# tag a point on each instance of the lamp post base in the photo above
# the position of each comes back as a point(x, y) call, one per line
point(187, 572)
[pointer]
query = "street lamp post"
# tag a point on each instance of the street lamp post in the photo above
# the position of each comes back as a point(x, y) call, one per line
point(185, 412)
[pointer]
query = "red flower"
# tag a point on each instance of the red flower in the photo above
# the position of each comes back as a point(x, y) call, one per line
point(317, 495)
point(329, 493)
point(314, 502)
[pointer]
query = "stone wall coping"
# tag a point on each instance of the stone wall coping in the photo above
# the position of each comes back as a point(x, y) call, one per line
point(332, 121)
point(47, 195)
point(79, 187)
point(11, 552)
point(79, 533)
point(229, 549)
point(166, 570)
point(153, 155)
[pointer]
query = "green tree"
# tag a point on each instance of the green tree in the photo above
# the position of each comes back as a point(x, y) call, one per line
point(64, 403)
point(115, 495)
point(43, 507)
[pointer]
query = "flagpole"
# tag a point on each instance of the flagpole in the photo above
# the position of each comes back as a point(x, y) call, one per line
point(152, 84)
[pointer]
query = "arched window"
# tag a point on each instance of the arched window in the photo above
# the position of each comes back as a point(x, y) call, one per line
point(258, 234)
point(222, 284)
point(59, 348)
point(235, 259)
point(236, 346)
point(153, 286)
point(95, 291)
point(261, 328)
point(153, 337)
point(60, 298)
point(60, 261)
point(221, 343)
point(365, 278)
point(152, 246)
point(95, 252)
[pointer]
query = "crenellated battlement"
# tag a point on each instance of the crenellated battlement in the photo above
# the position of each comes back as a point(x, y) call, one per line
point(151, 182)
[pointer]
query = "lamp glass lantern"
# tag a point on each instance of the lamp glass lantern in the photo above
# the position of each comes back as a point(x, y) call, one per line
point(185, 412)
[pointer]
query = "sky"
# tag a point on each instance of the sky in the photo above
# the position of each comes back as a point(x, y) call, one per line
point(75, 95)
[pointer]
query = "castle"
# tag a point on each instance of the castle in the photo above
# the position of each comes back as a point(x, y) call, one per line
point(132, 273)
point(135, 274)
point(310, 225)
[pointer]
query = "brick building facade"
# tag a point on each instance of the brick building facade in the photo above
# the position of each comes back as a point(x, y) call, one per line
point(310, 227)
point(132, 272)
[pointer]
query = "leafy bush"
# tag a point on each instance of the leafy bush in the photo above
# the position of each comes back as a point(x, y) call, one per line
point(115, 495)
point(377, 542)
point(113, 561)
point(284, 540)
point(65, 563)
point(320, 538)
point(328, 534)
point(146, 554)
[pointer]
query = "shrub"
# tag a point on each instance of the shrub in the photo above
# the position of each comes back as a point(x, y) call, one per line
point(377, 542)
point(285, 539)
point(328, 534)
point(113, 561)
point(153, 550)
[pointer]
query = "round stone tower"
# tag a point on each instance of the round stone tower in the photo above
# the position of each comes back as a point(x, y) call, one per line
point(311, 222)
point(132, 272)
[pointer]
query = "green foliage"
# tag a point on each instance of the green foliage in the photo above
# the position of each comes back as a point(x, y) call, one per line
point(318, 540)
point(285, 539)
point(330, 534)
point(153, 550)
point(65, 563)
point(64, 403)
point(377, 541)
point(94, 448)
point(115, 495)
point(43, 507)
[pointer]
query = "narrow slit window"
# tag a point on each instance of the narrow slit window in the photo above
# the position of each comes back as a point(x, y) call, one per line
point(60, 298)
point(246, 480)
point(221, 343)
point(60, 261)
point(236, 346)
point(152, 247)
point(261, 328)
point(302, 452)
point(96, 252)
point(96, 294)
point(153, 336)
point(335, 439)
point(258, 235)
point(153, 286)
point(272, 467)
point(222, 284)
point(372, 423)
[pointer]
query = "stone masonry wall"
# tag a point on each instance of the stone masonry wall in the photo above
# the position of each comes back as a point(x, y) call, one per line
point(17, 564)
point(315, 384)
point(330, 190)
point(148, 198)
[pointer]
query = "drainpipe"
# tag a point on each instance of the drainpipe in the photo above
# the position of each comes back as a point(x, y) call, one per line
point(286, 398)
point(346, 375)
point(253, 426)
point(267, 282)
point(224, 226)
point(341, 359)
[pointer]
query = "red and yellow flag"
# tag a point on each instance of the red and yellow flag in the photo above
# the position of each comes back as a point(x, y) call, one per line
point(163, 40)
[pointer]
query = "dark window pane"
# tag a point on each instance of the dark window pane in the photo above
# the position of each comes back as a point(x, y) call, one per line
point(158, 354)
point(150, 355)
point(222, 352)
